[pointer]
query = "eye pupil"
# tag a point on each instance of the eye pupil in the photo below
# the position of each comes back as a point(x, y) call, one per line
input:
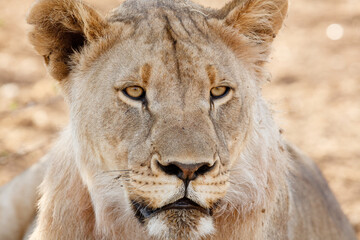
point(134, 92)
point(219, 92)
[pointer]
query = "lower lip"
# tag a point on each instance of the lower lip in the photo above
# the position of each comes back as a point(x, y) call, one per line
point(179, 205)
point(185, 206)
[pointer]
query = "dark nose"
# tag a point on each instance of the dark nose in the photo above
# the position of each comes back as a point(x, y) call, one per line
point(186, 172)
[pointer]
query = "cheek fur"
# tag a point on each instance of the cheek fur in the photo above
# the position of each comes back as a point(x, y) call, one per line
point(125, 123)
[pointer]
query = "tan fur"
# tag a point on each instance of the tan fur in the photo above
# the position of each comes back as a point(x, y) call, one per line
point(108, 160)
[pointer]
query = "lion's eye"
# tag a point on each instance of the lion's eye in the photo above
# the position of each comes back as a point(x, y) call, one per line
point(219, 92)
point(134, 92)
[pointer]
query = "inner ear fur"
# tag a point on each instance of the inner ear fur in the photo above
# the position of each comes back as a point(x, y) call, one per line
point(61, 27)
point(259, 20)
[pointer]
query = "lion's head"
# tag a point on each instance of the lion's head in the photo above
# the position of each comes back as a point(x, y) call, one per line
point(165, 107)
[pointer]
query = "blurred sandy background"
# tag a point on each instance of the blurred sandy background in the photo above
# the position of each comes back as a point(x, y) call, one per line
point(315, 92)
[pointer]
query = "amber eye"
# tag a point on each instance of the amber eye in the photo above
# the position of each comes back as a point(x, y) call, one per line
point(219, 92)
point(134, 92)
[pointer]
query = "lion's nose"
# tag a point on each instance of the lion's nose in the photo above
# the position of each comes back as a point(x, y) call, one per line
point(186, 172)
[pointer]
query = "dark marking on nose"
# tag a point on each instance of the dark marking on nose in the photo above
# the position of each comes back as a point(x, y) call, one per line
point(186, 172)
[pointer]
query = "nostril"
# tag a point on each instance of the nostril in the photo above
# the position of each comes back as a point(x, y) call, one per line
point(186, 171)
point(170, 169)
point(204, 169)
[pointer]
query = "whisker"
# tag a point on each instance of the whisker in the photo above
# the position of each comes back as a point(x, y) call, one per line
point(123, 177)
point(232, 205)
point(120, 170)
point(243, 183)
point(235, 169)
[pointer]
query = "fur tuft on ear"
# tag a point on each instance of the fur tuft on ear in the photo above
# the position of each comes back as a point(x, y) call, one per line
point(260, 20)
point(61, 27)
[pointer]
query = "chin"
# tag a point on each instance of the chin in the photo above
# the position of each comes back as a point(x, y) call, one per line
point(182, 219)
point(180, 224)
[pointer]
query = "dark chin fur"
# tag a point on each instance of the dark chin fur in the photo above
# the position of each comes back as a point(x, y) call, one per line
point(183, 219)
point(178, 223)
point(142, 212)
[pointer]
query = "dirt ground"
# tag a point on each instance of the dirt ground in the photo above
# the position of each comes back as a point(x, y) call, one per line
point(315, 91)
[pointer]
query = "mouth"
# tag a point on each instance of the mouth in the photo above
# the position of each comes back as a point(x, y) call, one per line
point(142, 211)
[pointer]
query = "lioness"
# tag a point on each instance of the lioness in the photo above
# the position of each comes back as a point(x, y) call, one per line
point(169, 136)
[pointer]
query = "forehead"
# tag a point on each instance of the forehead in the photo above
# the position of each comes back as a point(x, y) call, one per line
point(179, 44)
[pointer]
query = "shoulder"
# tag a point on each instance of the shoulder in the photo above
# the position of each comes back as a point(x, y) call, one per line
point(313, 207)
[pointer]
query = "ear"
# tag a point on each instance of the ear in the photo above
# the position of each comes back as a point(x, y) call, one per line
point(260, 20)
point(60, 28)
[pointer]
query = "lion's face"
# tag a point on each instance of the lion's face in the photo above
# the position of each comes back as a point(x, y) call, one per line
point(162, 98)
point(165, 114)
